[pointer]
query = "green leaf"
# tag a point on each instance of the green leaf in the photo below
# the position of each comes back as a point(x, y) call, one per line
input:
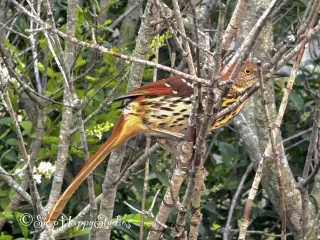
point(43, 154)
point(271, 238)
point(50, 73)
point(9, 154)
point(107, 22)
point(9, 46)
point(23, 225)
point(227, 152)
point(4, 202)
point(135, 219)
point(110, 4)
point(80, 93)
point(21, 23)
point(6, 120)
point(5, 237)
point(81, 232)
point(95, 2)
point(106, 44)
point(299, 79)
point(51, 140)
point(215, 227)
point(80, 62)
point(40, 67)
point(90, 93)
point(12, 141)
point(231, 184)
point(26, 125)
point(11, 193)
point(20, 66)
point(109, 59)
point(14, 100)
point(7, 215)
point(54, 149)
point(5, 133)
point(239, 223)
point(92, 79)
point(211, 207)
point(105, 27)
point(79, 9)
point(163, 177)
point(43, 43)
point(100, 96)
point(3, 192)
point(297, 100)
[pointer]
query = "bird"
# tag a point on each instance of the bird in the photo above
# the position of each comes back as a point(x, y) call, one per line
point(160, 109)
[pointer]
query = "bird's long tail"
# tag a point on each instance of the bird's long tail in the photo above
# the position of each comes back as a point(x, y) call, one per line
point(122, 132)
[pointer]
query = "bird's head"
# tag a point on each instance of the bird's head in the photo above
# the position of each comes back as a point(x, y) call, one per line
point(247, 76)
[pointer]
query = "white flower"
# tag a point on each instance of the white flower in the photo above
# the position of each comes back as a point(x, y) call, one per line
point(291, 38)
point(45, 167)
point(20, 118)
point(37, 177)
point(99, 135)
point(53, 168)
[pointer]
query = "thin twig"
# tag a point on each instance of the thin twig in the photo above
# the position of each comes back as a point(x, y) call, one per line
point(246, 46)
point(295, 144)
point(125, 174)
point(274, 145)
point(26, 158)
point(145, 188)
point(261, 233)
point(33, 41)
point(296, 135)
point(106, 102)
point(84, 145)
point(106, 50)
point(156, 55)
point(181, 167)
point(233, 25)
point(252, 194)
point(76, 220)
point(13, 184)
point(149, 211)
point(227, 229)
point(123, 16)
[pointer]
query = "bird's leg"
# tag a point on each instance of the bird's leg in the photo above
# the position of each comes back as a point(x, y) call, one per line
point(165, 132)
point(162, 141)
point(164, 145)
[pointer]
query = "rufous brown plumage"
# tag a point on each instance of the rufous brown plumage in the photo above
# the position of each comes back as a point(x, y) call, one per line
point(159, 109)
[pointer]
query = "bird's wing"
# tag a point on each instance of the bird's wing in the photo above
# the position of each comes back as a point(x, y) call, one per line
point(173, 86)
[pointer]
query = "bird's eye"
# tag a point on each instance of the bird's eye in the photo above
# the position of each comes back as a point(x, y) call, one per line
point(247, 71)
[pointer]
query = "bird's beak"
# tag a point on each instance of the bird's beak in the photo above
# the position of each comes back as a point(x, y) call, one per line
point(280, 74)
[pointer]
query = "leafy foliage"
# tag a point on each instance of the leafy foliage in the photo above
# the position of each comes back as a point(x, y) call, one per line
point(95, 76)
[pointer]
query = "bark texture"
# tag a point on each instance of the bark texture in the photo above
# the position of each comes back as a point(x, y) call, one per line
point(252, 127)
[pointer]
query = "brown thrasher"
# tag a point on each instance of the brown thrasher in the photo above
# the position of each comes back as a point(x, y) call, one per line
point(157, 109)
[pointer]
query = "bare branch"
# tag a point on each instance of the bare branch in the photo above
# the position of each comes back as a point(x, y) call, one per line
point(106, 50)
point(233, 24)
point(274, 144)
point(226, 231)
point(13, 184)
point(145, 188)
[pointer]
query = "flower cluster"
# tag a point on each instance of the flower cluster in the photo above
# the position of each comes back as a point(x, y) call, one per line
point(99, 129)
point(45, 169)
